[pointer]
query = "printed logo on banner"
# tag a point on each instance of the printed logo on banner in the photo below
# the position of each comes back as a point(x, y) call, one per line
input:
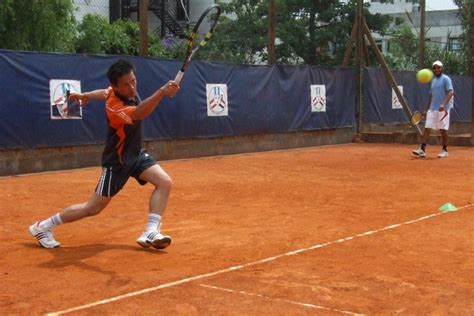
point(318, 98)
point(217, 104)
point(395, 101)
point(61, 109)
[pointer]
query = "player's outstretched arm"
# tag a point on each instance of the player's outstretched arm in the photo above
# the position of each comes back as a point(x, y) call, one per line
point(147, 106)
point(85, 97)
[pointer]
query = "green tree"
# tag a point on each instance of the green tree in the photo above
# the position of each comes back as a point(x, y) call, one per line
point(97, 36)
point(308, 31)
point(241, 38)
point(92, 37)
point(37, 25)
point(169, 47)
point(466, 12)
point(404, 43)
point(402, 47)
point(323, 27)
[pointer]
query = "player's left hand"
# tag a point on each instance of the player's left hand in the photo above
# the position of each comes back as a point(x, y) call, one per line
point(82, 98)
point(170, 88)
point(441, 109)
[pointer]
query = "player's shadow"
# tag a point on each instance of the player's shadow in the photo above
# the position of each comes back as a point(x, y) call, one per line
point(64, 257)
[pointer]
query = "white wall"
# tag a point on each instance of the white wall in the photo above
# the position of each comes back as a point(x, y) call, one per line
point(398, 6)
point(439, 26)
point(196, 8)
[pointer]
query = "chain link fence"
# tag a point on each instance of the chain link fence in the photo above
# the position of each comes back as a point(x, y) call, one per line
point(83, 7)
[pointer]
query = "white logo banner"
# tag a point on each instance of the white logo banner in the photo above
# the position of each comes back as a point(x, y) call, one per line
point(217, 103)
point(318, 98)
point(59, 90)
point(395, 101)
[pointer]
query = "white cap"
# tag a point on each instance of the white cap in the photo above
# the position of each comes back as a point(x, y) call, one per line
point(437, 63)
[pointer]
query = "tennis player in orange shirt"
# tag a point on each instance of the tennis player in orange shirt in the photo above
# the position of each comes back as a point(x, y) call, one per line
point(122, 158)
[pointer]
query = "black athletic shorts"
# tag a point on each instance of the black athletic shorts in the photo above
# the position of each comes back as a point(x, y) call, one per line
point(113, 179)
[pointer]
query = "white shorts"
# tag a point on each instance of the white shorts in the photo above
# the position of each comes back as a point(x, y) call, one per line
point(437, 120)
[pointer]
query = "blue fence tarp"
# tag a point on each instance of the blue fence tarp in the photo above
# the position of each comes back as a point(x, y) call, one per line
point(378, 97)
point(261, 99)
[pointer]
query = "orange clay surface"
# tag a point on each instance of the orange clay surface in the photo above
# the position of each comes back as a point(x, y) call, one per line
point(228, 214)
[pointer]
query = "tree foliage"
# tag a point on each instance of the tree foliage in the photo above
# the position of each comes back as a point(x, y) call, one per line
point(466, 13)
point(312, 32)
point(97, 36)
point(91, 37)
point(49, 25)
point(242, 37)
point(37, 25)
point(307, 31)
point(404, 42)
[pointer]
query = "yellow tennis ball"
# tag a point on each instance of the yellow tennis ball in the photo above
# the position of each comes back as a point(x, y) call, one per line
point(424, 76)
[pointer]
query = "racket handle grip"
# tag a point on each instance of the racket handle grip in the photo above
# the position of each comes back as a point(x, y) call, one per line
point(179, 76)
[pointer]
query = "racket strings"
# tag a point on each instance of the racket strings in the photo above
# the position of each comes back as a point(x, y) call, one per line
point(204, 36)
point(206, 39)
point(201, 34)
point(206, 27)
point(63, 105)
point(416, 118)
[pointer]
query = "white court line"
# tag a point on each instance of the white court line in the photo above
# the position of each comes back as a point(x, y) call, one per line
point(245, 265)
point(280, 300)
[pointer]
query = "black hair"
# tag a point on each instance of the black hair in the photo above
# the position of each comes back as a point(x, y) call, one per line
point(118, 69)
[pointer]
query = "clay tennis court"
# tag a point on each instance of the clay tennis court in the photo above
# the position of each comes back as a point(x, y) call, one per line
point(346, 229)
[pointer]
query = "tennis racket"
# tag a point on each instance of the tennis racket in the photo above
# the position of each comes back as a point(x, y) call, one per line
point(73, 107)
point(67, 108)
point(416, 118)
point(200, 36)
point(444, 116)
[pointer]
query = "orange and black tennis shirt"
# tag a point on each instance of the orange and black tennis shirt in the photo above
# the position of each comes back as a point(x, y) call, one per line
point(124, 137)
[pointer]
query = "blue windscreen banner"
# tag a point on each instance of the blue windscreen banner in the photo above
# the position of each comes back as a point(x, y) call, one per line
point(380, 106)
point(215, 100)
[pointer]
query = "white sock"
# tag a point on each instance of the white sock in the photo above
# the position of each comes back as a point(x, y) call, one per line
point(51, 222)
point(154, 221)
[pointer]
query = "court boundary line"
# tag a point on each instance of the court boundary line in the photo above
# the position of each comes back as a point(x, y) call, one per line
point(245, 265)
point(266, 297)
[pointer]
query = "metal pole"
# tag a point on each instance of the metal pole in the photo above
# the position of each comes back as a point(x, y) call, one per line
point(366, 53)
point(271, 32)
point(358, 65)
point(388, 74)
point(162, 18)
point(472, 112)
point(347, 53)
point(421, 60)
point(143, 16)
point(471, 62)
point(471, 40)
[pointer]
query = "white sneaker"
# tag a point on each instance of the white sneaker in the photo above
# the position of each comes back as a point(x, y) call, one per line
point(443, 154)
point(154, 238)
point(44, 236)
point(419, 152)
